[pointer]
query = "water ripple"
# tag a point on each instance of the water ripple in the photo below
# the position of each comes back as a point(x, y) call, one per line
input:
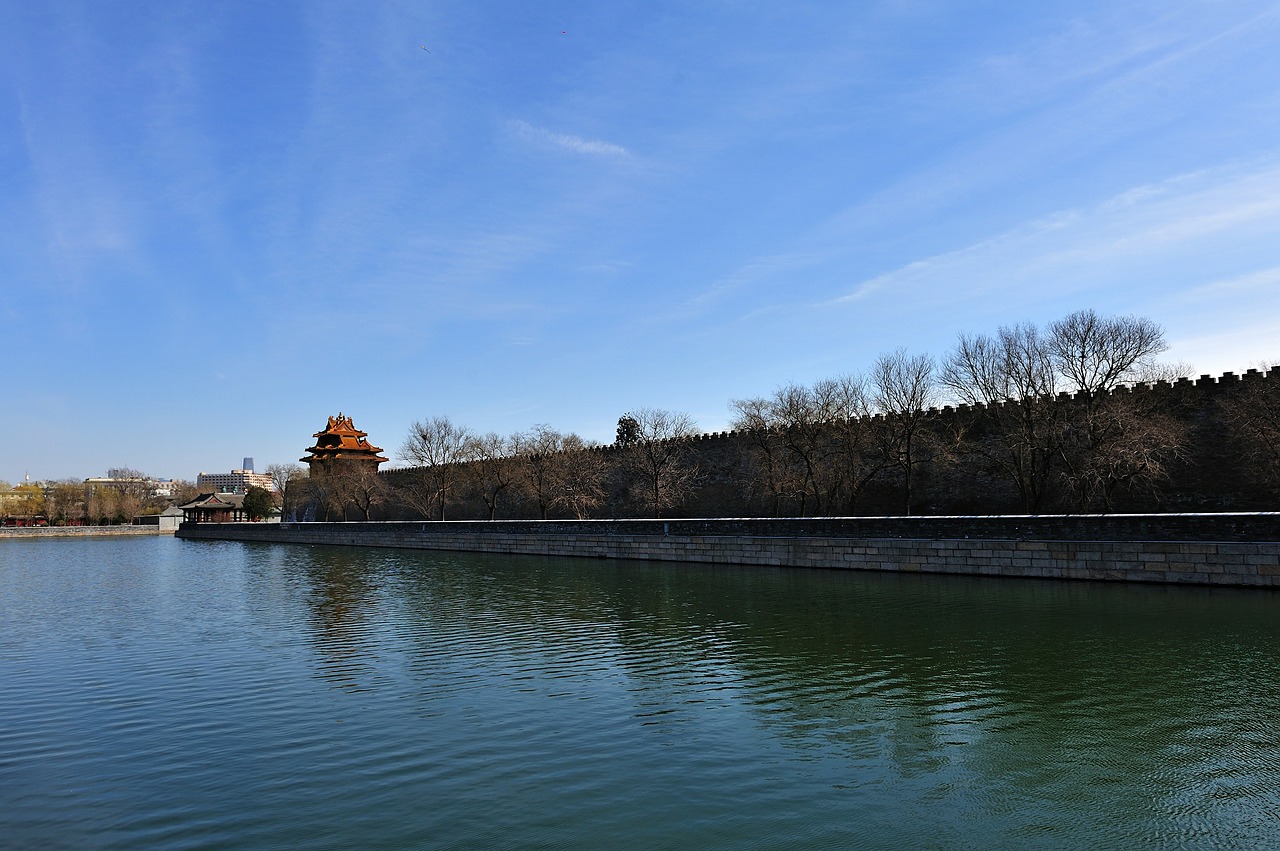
point(170, 694)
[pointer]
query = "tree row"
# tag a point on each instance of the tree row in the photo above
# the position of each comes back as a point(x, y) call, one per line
point(1079, 415)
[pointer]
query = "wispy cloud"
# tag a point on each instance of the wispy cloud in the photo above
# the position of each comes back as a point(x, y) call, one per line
point(1260, 281)
point(576, 144)
point(1150, 238)
point(1119, 47)
point(758, 270)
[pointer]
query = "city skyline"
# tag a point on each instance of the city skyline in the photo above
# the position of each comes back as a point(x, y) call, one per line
point(221, 227)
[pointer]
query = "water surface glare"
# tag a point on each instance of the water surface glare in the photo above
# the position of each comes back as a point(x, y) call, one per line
point(170, 694)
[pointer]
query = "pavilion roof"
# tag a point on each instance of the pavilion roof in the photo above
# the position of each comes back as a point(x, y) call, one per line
point(216, 500)
point(340, 438)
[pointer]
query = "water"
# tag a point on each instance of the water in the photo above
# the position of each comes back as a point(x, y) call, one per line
point(168, 694)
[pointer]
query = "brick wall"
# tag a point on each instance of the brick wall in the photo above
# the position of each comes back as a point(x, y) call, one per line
point(1217, 549)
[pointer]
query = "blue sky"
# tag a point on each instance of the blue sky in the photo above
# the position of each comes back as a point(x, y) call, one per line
point(222, 222)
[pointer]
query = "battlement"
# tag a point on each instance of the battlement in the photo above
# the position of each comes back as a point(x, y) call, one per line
point(1209, 383)
point(743, 472)
point(1205, 383)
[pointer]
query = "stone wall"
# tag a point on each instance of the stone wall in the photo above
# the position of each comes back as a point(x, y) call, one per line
point(1211, 472)
point(80, 531)
point(1214, 549)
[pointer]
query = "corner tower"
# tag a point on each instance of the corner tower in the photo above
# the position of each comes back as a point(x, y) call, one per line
point(342, 446)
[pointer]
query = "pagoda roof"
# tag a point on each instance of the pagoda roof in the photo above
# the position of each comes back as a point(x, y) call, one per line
point(341, 438)
point(341, 425)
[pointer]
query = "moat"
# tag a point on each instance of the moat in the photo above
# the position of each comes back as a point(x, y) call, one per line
point(169, 693)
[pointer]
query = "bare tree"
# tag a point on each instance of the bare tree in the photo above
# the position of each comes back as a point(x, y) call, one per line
point(1110, 438)
point(490, 467)
point(438, 447)
point(857, 456)
point(315, 498)
point(1095, 354)
point(1253, 417)
point(810, 443)
point(358, 486)
point(803, 416)
point(183, 491)
point(559, 471)
point(1097, 438)
point(287, 480)
point(537, 454)
point(661, 457)
point(1123, 441)
point(579, 476)
point(904, 389)
point(136, 493)
point(772, 467)
point(418, 490)
point(1011, 376)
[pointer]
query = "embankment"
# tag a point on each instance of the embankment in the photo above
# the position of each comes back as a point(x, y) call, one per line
point(1207, 549)
point(79, 531)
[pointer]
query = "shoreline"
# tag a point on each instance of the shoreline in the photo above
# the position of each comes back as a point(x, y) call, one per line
point(28, 532)
point(1227, 549)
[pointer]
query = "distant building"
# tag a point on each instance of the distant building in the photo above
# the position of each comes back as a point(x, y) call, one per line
point(342, 446)
point(136, 484)
point(237, 481)
point(140, 486)
point(166, 520)
point(215, 508)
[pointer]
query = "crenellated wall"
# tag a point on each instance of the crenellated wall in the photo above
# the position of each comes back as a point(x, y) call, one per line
point(1217, 549)
point(1208, 473)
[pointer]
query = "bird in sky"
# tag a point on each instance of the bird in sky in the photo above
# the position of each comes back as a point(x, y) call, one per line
point(424, 47)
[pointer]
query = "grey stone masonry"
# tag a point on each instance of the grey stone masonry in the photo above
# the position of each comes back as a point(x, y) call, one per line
point(80, 532)
point(1204, 549)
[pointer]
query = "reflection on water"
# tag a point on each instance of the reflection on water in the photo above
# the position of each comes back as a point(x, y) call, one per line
point(169, 692)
